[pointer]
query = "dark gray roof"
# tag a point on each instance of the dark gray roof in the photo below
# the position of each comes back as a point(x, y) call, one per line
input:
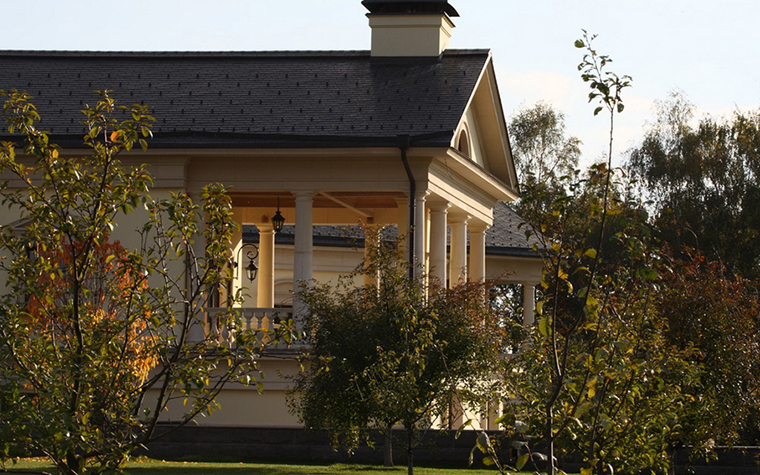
point(269, 99)
point(507, 235)
point(505, 238)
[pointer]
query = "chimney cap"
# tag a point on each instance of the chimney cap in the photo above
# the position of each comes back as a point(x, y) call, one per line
point(410, 6)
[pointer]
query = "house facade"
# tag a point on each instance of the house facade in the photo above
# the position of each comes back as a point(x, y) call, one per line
point(410, 134)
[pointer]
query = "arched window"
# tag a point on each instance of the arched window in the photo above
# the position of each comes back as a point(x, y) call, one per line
point(463, 144)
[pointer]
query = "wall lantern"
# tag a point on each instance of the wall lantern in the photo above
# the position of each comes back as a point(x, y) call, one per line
point(278, 221)
point(252, 268)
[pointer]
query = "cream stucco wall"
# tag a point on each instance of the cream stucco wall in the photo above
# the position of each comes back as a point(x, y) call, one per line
point(410, 35)
point(245, 405)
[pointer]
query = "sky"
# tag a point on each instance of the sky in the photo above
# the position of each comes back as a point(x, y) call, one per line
point(708, 50)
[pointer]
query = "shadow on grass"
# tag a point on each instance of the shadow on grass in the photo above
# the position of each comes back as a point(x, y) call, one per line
point(142, 466)
point(197, 468)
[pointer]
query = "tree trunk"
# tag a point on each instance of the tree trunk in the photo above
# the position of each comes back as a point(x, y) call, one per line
point(550, 469)
point(673, 456)
point(388, 446)
point(410, 449)
point(75, 464)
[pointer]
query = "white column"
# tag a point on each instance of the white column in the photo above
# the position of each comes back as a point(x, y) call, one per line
point(477, 268)
point(529, 303)
point(419, 232)
point(302, 259)
point(458, 249)
point(438, 213)
point(265, 285)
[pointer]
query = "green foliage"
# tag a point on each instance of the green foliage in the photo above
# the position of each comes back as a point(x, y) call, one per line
point(704, 182)
point(624, 387)
point(391, 352)
point(97, 340)
point(606, 86)
point(597, 375)
point(702, 179)
point(542, 152)
point(713, 315)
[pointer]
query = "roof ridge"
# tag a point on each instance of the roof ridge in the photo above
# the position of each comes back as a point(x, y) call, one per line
point(211, 54)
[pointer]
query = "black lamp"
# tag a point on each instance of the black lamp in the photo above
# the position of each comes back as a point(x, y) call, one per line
point(252, 268)
point(278, 221)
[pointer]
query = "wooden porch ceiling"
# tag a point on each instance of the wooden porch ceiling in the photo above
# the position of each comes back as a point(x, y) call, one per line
point(360, 200)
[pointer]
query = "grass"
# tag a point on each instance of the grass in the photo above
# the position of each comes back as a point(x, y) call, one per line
point(144, 466)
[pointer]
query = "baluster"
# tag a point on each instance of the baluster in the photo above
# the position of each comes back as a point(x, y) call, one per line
point(247, 318)
point(213, 324)
point(266, 325)
point(258, 323)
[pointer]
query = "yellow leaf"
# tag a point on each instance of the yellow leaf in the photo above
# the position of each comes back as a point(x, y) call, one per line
point(543, 326)
point(522, 461)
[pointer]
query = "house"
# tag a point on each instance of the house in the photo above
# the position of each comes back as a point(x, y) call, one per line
point(410, 134)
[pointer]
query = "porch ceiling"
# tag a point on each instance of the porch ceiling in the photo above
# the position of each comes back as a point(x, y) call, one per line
point(360, 200)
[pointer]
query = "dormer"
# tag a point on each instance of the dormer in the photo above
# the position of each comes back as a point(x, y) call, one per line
point(410, 28)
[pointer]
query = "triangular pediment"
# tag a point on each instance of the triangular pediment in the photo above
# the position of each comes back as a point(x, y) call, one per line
point(482, 131)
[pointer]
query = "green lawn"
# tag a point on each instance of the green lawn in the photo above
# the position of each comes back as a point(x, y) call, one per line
point(157, 467)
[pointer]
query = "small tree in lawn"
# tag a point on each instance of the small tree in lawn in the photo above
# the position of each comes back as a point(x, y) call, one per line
point(97, 340)
point(599, 377)
point(625, 389)
point(383, 354)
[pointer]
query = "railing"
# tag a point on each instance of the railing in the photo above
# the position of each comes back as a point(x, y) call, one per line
point(265, 321)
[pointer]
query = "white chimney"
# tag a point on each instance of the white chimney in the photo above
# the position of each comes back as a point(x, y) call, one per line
point(410, 28)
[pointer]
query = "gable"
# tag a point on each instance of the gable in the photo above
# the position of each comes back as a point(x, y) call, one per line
point(481, 133)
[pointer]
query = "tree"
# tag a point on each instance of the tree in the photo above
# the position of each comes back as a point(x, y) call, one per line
point(713, 315)
point(704, 182)
point(597, 376)
point(542, 152)
point(605, 87)
point(382, 354)
point(96, 340)
point(624, 387)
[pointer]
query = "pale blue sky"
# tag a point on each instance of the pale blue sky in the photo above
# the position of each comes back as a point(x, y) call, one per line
point(708, 49)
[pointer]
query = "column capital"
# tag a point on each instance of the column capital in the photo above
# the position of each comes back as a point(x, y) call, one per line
point(477, 226)
point(438, 206)
point(421, 194)
point(458, 218)
point(304, 194)
point(529, 283)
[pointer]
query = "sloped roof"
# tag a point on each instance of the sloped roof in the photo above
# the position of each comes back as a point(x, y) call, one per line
point(506, 237)
point(258, 99)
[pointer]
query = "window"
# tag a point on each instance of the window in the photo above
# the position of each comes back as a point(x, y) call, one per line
point(463, 144)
